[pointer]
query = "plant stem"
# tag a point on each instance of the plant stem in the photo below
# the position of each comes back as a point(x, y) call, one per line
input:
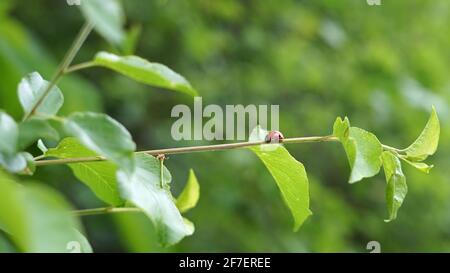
point(392, 149)
point(88, 212)
point(191, 149)
point(79, 40)
point(77, 67)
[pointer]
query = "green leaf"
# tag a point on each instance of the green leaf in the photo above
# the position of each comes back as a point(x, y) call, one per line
point(9, 133)
point(191, 193)
point(131, 40)
point(100, 177)
point(30, 167)
point(34, 129)
point(341, 128)
point(37, 218)
point(289, 174)
point(423, 167)
point(427, 143)
point(41, 146)
point(30, 91)
point(103, 135)
point(108, 18)
point(396, 187)
point(6, 246)
point(363, 150)
point(143, 71)
point(81, 245)
point(145, 190)
point(14, 163)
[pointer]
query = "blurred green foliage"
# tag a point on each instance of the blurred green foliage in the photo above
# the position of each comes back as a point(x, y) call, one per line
point(383, 66)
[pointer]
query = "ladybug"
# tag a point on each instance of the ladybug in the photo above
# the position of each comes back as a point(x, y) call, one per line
point(274, 137)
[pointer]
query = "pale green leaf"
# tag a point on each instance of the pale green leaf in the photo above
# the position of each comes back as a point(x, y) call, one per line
point(10, 159)
point(82, 244)
point(30, 167)
point(143, 71)
point(108, 18)
point(13, 163)
point(146, 190)
point(103, 135)
point(289, 174)
point(396, 187)
point(9, 133)
point(37, 217)
point(423, 167)
point(191, 193)
point(34, 129)
point(41, 146)
point(30, 91)
point(427, 143)
point(100, 177)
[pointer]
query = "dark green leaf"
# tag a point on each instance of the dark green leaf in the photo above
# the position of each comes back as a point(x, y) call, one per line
point(289, 174)
point(103, 135)
point(191, 193)
point(396, 187)
point(100, 177)
point(143, 71)
point(427, 143)
point(145, 189)
point(30, 91)
point(108, 18)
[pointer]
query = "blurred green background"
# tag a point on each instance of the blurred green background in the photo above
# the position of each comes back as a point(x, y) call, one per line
point(382, 66)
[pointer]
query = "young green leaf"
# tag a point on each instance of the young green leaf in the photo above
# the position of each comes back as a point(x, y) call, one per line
point(41, 146)
point(34, 129)
point(143, 71)
point(191, 193)
point(30, 91)
point(290, 176)
point(103, 135)
point(341, 129)
point(396, 187)
point(100, 177)
point(427, 143)
point(423, 167)
point(9, 132)
point(108, 18)
point(38, 218)
point(143, 189)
